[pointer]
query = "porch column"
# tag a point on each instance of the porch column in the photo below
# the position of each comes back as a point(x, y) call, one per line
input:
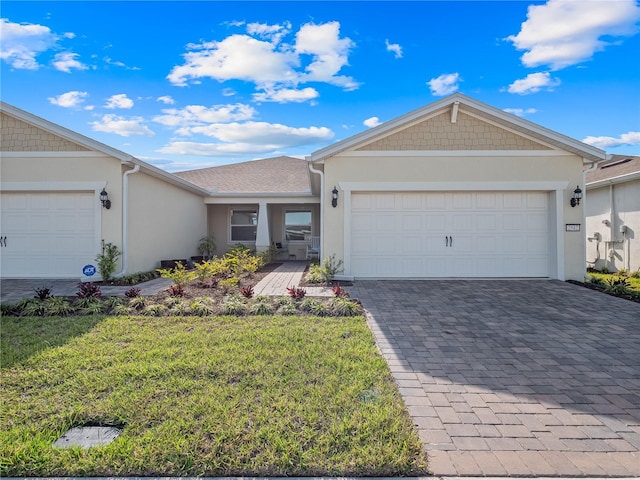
point(262, 233)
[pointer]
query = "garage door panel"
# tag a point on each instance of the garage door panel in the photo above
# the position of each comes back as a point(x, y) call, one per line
point(494, 234)
point(49, 234)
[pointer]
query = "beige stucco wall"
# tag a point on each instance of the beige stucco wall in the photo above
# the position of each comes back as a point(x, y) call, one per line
point(18, 136)
point(166, 222)
point(397, 169)
point(468, 133)
point(218, 216)
point(612, 249)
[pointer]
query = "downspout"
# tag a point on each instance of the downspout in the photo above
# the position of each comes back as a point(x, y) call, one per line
point(321, 173)
point(125, 220)
point(592, 168)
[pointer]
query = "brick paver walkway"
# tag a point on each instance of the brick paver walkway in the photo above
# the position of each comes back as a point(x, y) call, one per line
point(287, 275)
point(534, 378)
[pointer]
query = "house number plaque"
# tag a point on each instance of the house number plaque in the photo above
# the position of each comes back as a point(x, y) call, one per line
point(572, 227)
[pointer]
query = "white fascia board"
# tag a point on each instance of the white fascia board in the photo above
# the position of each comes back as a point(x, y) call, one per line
point(614, 180)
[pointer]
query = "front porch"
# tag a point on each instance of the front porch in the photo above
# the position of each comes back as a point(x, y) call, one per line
point(287, 224)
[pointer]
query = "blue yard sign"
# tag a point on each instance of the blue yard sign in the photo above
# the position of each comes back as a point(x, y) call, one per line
point(89, 270)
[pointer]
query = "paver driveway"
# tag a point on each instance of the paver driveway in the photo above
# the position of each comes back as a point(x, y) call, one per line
point(513, 377)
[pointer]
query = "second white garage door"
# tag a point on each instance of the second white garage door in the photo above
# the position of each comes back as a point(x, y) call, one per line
point(449, 234)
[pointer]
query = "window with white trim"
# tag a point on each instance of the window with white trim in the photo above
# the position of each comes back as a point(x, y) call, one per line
point(244, 225)
point(297, 225)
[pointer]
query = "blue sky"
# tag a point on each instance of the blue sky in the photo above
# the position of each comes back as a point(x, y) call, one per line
point(185, 85)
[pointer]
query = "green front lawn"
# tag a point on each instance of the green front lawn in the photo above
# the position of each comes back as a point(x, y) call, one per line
point(202, 396)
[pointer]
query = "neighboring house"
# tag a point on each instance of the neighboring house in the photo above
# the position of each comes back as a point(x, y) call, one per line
point(613, 214)
point(454, 189)
point(53, 221)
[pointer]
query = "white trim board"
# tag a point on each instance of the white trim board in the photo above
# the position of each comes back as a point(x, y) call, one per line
point(451, 186)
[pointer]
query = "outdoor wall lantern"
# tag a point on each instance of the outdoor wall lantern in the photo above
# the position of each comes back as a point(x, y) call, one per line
point(577, 195)
point(334, 197)
point(104, 198)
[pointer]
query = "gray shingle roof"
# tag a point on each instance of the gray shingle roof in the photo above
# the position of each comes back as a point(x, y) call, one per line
point(618, 165)
point(270, 175)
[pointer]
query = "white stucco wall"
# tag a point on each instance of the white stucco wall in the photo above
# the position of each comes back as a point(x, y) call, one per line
point(612, 249)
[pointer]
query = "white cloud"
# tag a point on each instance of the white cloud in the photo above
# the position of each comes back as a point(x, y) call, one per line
point(111, 123)
point(69, 99)
point(166, 99)
point(534, 82)
point(330, 53)
point(286, 95)
point(394, 47)
point(274, 135)
point(228, 92)
point(272, 32)
point(317, 55)
point(117, 63)
point(213, 149)
point(372, 122)
point(21, 43)
point(198, 115)
point(520, 112)
point(630, 138)
point(66, 61)
point(444, 84)
point(119, 101)
point(562, 33)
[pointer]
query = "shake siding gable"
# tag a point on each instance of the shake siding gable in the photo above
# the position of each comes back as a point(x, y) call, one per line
point(19, 136)
point(438, 133)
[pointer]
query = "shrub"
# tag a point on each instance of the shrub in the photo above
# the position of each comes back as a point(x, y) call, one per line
point(345, 307)
point(32, 308)
point(617, 286)
point(261, 307)
point(179, 275)
point(338, 291)
point(325, 271)
point(296, 293)
point(203, 306)
point(138, 303)
point(59, 307)
point(89, 290)
point(179, 308)
point(287, 309)
point(135, 278)
point(207, 245)
point(247, 291)
point(228, 284)
point(107, 260)
point(234, 305)
point(176, 291)
point(635, 274)
point(154, 310)
point(132, 292)
point(90, 306)
point(43, 293)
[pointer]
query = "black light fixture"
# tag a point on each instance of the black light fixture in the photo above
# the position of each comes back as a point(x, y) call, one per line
point(577, 195)
point(334, 197)
point(104, 198)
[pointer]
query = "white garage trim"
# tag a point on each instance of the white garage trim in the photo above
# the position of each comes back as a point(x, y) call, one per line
point(36, 187)
point(556, 208)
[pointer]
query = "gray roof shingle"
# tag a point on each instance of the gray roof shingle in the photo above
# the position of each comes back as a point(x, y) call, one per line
point(618, 165)
point(270, 175)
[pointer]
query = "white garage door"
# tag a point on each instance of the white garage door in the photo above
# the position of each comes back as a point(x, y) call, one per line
point(47, 234)
point(450, 234)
